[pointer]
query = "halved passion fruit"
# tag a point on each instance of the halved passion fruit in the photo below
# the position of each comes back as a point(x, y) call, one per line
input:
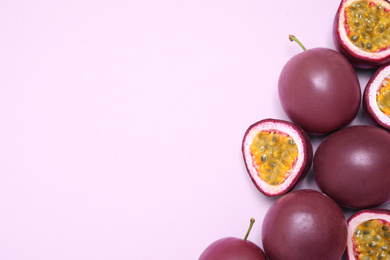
point(369, 235)
point(277, 155)
point(376, 98)
point(362, 32)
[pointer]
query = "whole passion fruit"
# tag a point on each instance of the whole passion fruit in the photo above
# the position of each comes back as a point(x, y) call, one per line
point(277, 154)
point(304, 224)
point(232, 248)
point(369, 235)
point(361, 32)
point(319, 90)
point(376, 98)
point(352, 166)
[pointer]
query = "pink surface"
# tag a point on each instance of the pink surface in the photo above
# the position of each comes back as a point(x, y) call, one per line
point(121, 121)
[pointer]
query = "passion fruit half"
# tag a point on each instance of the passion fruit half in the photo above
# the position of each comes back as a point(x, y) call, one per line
point(352, 166)
point(304, 224)
point(319, 90)
point(277, 155)
point(361, 32)
point(376, 98)
point(369, 235)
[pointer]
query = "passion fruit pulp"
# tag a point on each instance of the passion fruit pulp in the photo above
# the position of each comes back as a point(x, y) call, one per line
point(369, 235)
point(232, 248)
point(277, 154)
point(376, 98)
point(319, 90)
point(361, 32)
point(304, 224)
point(352, 166)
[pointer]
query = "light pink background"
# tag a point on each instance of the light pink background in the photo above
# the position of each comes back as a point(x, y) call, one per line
point(121, 121)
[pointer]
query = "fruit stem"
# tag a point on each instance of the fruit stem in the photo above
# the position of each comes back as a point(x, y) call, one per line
point(249, 229)
point(293, 38)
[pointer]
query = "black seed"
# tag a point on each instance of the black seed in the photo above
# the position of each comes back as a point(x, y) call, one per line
point(354, 38)
point(368, 45)
point(386, 234)
point(358, 232)
point(263, 158)
point(385, 228)
point(384, 248)
point(366, 232)
point(361, 44)
point(372, 244)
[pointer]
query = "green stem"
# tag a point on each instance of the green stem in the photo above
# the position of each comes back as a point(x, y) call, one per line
point(293, 38)
point(249, 229)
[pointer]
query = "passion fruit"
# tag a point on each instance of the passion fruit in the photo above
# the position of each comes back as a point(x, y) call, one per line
point(319, 90)
point(304, 224)
point(277, 155)
point(369, 235)
point(232, 248)
point(361, 32)
point(376, 98)
point(352, 166)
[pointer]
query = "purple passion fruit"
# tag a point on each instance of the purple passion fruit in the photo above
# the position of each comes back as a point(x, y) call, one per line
point(232, 248)
point(361, 32)
point(319, 90)
point(369, 235)
point(376, 98)
point(277, 155)
point(304, 224)
point(352, 166)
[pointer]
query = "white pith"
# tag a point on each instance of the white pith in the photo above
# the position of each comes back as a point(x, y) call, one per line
point(374, 87)
point(346, 41)
point(356, 221)
point(277, 127)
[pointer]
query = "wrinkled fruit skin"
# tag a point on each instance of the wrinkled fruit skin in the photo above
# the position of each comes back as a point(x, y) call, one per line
point(299, 173)
point(356, 59)
point(231, 248)
point(304, 224)
point(352, 166)
point(359, 217)
point(375, 117)
point(319, 91)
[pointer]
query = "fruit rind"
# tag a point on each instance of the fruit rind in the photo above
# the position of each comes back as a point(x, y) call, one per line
point(301, 166)
point(359, 217)
point(356, 56)
point(370, 106)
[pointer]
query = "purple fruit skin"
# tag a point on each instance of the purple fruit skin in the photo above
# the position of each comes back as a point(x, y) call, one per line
point(304, 224)
point(319, 91)
point(368, 111)
point(308, 150)
point(355, 59)
point(352, 166)
point(231, 248)
point(355, 215)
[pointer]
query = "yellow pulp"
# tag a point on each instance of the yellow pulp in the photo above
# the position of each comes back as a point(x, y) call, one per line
point(383, 98)
point(367, 25)
point(274, 155)
point(372, 240)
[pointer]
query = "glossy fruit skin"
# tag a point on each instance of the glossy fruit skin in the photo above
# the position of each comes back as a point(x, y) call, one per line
point(232, 248)
point(356, 59)
point(319, 91)
point(299, 173)
point(304, 224)
point(352, 166)
point(370, 109)
point(359, 217)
